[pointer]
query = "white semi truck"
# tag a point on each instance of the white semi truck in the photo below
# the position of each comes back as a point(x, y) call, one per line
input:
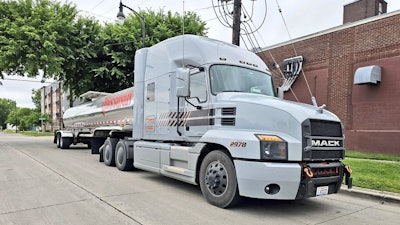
point(206, 112)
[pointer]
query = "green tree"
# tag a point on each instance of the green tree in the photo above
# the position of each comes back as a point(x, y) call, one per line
point(121, 42)
point(34, 36)
point(13, 117)
point(6, 106)
point(47, 36)
point(36, 99)
point(24, 118)
point(78, 76)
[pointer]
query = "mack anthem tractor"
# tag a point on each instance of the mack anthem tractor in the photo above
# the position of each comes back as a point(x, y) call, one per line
point(206, 112)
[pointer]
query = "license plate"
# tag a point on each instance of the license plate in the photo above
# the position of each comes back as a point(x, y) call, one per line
point(323, 190)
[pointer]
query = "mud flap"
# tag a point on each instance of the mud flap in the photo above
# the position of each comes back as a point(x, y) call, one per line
point(348, 180)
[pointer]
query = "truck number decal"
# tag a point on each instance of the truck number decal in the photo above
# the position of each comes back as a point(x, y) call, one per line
point(238, 144)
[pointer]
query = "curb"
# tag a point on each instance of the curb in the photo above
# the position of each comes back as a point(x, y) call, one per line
point(381, 196)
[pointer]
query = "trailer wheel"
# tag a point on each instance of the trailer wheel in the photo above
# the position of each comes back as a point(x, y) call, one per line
point(109, 151)
point(65, 142)
point(58, 137)
point(121, 154)
point(218, 181)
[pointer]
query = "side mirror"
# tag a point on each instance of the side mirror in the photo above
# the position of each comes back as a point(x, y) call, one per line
point(182, 82)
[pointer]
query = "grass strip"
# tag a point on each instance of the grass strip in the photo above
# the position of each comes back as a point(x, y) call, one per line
point(376, 156)
point(30, 133)
point(377, 175)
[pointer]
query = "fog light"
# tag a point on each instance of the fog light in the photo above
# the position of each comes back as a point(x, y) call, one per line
point(272, 189)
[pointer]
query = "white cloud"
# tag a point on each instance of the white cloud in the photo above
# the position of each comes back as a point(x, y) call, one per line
point(19, 89)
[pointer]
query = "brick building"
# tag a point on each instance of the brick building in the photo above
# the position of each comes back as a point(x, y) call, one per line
point(334, 60)
point(51, 105)
point(54, 101)
point(362, 9)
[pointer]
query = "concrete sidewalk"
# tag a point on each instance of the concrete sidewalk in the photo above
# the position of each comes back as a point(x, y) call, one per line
point(381, 196)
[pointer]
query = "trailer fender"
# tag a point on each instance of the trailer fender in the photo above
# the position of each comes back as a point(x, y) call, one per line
point(65, 133)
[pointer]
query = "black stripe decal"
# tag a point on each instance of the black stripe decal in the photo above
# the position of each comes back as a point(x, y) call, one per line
point(202, 113)
point(204, 117)
point(198, 122)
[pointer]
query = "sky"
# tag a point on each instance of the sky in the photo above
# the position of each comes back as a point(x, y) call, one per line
point(297, 19)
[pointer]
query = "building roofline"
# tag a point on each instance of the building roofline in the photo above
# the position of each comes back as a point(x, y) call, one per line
point(334, 29)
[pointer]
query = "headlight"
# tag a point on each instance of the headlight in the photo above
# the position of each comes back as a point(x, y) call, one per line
point(272, 147)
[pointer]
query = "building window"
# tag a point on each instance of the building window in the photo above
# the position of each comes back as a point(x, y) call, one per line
point(382, 7)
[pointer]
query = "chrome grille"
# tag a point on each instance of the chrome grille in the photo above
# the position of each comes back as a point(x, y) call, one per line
point(322, 140)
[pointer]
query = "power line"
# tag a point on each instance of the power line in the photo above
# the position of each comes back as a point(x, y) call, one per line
point(232, 14)
point(97, 15)
point(96, 5)
point(294, 49)
point(250, 17)
point(33, 81)
point(255, 45)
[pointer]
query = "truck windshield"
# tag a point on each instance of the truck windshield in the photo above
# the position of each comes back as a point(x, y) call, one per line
point(228, 78)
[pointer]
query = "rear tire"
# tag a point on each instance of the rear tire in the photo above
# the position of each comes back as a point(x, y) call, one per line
point(65, 142)
point(109, 151)
point(58, 137)
point(218, 181)
point(121, 154)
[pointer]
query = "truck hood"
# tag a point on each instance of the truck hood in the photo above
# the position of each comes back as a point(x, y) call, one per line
point(266, 113)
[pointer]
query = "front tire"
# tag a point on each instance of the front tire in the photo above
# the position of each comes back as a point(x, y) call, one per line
point(121, 160)
point(109, 151)
point(218, 181)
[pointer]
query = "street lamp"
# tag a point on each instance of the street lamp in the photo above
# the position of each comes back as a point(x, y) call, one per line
point(121, 17)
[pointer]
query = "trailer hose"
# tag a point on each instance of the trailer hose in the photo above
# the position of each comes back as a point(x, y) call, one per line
point(348, 169)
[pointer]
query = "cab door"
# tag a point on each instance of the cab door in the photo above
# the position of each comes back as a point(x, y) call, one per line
point(199, 116)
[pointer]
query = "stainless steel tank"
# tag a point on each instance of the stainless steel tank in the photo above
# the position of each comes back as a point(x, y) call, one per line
point(111, 110)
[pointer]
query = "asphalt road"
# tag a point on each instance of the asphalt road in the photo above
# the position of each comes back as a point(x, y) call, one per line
point(40, 184)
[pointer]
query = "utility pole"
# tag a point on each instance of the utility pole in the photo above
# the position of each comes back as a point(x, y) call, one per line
point(237, 8)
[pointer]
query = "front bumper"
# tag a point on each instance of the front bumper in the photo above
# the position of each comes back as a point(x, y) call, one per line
point(289, 180)
point(328, 175)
